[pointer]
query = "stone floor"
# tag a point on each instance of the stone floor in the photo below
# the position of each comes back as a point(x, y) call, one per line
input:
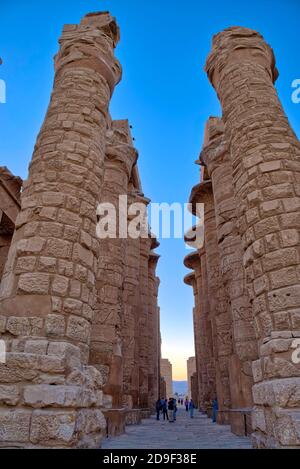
point(185, 433)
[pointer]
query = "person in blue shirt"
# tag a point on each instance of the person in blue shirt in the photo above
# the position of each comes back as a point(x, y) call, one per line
point(175, 409)
point(191, 408)
point(165, 409)
point(158, 407)
point(215, 410)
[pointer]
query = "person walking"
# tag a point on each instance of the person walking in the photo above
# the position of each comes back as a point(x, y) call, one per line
point(158, 408)
point(175, 409)
point(215, 410)
point(171, 410)
point(191, 408)
point(186, 403)
point(165, 409)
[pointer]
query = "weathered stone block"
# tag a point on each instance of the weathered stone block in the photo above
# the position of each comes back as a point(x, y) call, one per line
point(14, 425)
point(83, 255)
point(78, 329)
point(280, 259)
point(25, 264)
point(284, 298)
point(275, 346)
point(257, 371)
point(52, 427)
point(38, 347)
point(69, 218)
point(18, 326)
point(3, 320)
point(287, 428)
point(65, 350)
point(55, 199)
point(29, 246)
point(58, 248)
point(55, 325)
point(258, 420)
point(51, 230)
point(44, 395)
point(60, 285)
point(34, 283)
point(9, 395)
point(289, 237)
point(65, 268)
point(72, 306)
point(90, 421)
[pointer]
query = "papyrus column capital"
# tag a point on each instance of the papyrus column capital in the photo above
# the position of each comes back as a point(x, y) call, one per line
point(236, 45)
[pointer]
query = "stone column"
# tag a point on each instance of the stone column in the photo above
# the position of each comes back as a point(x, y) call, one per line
point(194, 388)
point(48, 287)
point(106, 340)
point(167, 373)
point(153, 327)
point(208, 378)
point(143, 322)
point(10, 193)
point(192, 261)
point(266, 171)
point(215, 156)
point(221, 321)
point(190, 280)
point(130, 327)
point(162, 387)
point(191, 370)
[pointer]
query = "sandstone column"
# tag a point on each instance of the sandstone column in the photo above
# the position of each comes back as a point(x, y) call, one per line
point(48, 287)
point(266, 171)
point(167, 374)
point(215, 156)
point(106, 341)
point(144, 333)
point(221, 321)
point(153, 327)
point(190, 279)
point(208, 371)
point(191, 371)
point(192, 261)
point(10, 193)
point(194, 388)
point(130, 328)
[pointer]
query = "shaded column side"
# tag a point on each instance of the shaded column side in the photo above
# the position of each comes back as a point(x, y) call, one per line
point(265, 159)
point(215, 156)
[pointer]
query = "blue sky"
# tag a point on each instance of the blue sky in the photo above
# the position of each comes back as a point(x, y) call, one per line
point(164, 93)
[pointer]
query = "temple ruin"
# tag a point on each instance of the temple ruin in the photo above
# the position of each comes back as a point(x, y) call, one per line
point(78, 314)
point(166, 371)
point(191, 370)
point(245, 276)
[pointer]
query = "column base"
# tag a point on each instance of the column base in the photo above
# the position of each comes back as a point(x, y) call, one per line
point(276, 415)
point(115, 421)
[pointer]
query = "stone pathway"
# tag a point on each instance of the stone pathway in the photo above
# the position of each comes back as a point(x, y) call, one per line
point(185, 433)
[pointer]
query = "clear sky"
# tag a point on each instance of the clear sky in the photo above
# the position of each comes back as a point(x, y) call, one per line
point(164, 93)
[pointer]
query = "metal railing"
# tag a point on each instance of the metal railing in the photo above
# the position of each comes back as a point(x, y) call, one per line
point(246, 413)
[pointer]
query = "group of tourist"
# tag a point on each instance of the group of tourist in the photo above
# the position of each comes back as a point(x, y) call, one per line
point(168, 408)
